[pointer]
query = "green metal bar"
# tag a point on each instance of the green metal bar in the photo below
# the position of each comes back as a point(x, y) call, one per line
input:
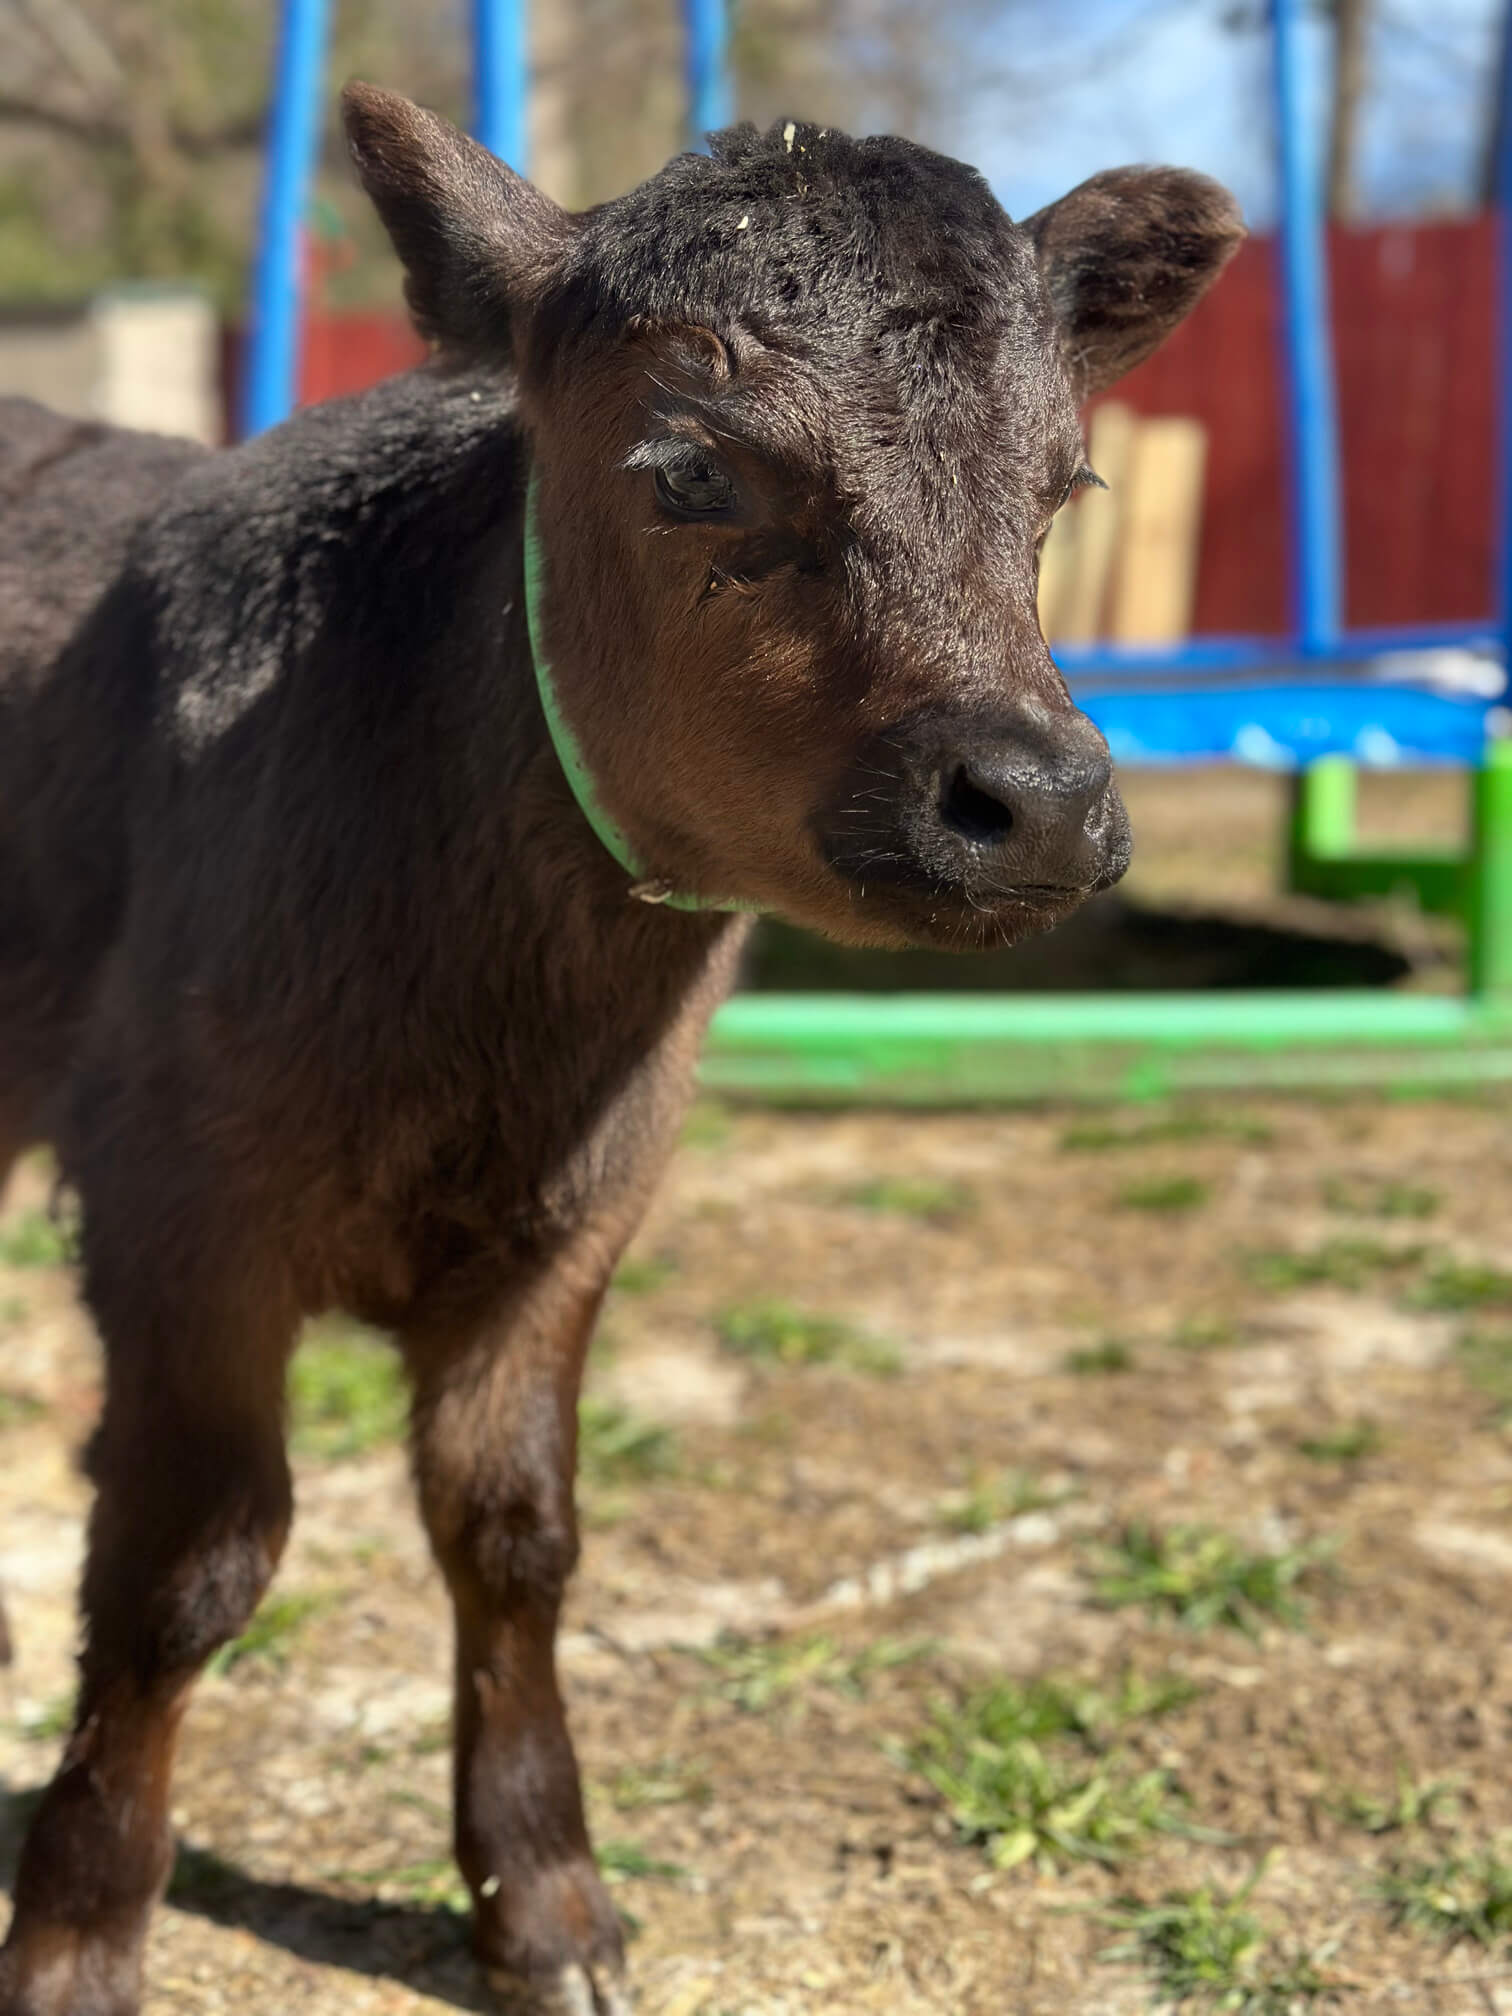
point(1323, 810)
point(1441, 881)
point(1324, 860)
point(944, 1050)
point(1490, 908)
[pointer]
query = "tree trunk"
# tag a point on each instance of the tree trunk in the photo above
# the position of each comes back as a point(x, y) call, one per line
point(556, 42)
point(1489, 179)
point(1351, 27)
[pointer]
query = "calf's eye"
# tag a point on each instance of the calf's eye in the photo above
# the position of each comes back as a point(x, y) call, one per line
point(694, 487)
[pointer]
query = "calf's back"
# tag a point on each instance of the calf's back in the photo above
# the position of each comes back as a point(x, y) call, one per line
point(74, 709)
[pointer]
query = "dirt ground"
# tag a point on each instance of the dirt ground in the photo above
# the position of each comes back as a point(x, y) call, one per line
point(1284, 1321)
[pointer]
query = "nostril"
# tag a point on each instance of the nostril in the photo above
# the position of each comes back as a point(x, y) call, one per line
point(973, 813)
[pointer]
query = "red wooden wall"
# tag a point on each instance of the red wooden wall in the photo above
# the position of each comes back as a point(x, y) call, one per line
point(1413, 345)
point(1413, 336)
point(342, 353)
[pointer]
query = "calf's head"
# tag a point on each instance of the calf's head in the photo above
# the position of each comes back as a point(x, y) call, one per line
point(800, 414)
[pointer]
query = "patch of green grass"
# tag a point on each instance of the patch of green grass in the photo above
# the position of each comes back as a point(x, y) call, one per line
point(1485, 1358)
point(17, 1409)
point(269, 1638)
point(1164, 1193)
point(432, 1737)
point(1464, 1895)
point(1093, 1136)
point(664, 1784)
point(1207, 1948)
point(758, 1674)
point(1338, 1263)
point(1416, 1802)
point(346, 1392)
point(1025, 1803)
point(779, 1334)
point(1442, 1283)
point(637, 1276)
point(1096, 1136)
point(436, 1882)
point(38, 1239)
point(993, 1496)
point(620, 1860)
point(1110, 1355)
point(1351, 1442)
point(1204, 1333)
point(1026, 1776)
point(1460, 1285)
point(617, 1446)
point(1038, 1710)
point(1201, 1577)
point(47, 1720)
point(934, 1199)
point(1379, 1197)
point(434, 1810)
point(707, 1125)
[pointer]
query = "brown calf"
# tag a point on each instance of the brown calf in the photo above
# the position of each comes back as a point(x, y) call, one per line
point(313, 967)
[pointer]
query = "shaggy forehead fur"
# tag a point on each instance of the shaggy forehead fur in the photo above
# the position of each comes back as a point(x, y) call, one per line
point(808, 226)
point(905, 307)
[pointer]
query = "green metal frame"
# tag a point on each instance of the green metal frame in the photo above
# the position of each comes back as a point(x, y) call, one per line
point(954, 1050)
point(1473, 883)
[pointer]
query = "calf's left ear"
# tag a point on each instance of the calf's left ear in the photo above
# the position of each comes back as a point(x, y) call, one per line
point(1125, 256)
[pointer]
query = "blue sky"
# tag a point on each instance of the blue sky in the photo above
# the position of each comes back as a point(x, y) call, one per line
point(1077, 85)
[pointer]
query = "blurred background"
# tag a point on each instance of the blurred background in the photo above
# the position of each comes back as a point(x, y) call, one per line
point(130, 149)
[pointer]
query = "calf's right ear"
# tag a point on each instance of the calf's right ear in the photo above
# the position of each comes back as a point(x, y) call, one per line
point(478, 242)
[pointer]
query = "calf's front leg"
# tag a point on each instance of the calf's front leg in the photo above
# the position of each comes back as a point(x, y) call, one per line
point(495, 1439)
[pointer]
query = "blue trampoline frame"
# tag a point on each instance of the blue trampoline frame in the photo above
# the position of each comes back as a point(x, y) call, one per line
point(1298, 708)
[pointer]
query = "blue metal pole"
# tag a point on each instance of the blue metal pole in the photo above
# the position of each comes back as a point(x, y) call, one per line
point(1504, 330)
point(270, 371)
point(501, 79)
point(1312, 422)
point(711, 102)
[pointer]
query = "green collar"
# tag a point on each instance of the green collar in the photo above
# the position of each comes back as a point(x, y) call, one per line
point(646, 888)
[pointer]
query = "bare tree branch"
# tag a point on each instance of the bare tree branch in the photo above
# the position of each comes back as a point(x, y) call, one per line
point(76, 44)
point(102, 130)
point(87, 128)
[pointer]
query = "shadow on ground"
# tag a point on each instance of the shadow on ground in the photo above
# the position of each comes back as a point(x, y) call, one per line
point(1112, 944)
point(424, 1946)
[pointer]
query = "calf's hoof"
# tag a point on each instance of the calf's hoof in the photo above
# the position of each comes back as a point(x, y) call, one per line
point(550, 1944)
point(59, 1972)
point(572, 1991)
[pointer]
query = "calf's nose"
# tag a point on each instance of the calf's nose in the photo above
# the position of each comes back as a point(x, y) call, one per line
point(1030, 799)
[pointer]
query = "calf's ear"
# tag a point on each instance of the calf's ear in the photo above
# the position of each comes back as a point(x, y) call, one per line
point(1125, 256)
point(478, 242)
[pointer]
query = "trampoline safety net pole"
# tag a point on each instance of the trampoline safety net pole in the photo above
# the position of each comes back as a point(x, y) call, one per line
point(706, 59)
point(270, 367)
point(1312, 472)
point(1504, 338)
point(501, 79)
